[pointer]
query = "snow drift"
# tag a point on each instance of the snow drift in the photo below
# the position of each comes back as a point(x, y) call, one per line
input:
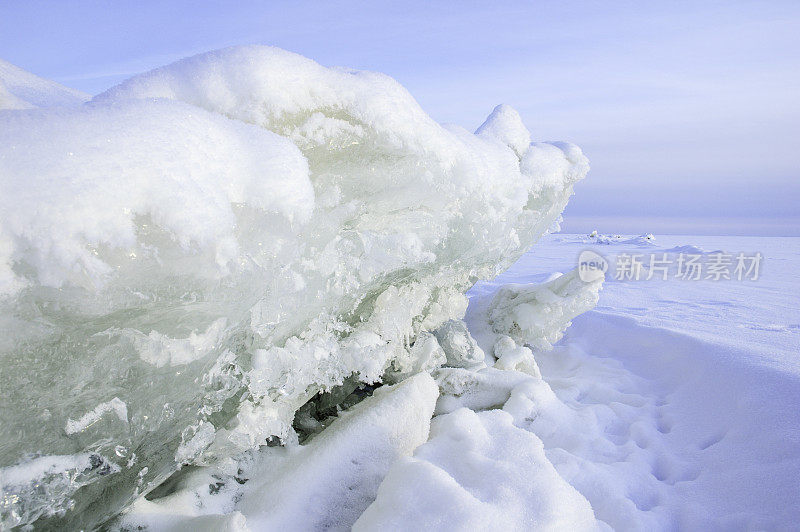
point(191, 256)
point(22, 90)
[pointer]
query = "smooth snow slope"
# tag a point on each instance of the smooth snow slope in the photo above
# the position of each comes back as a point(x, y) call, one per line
point(20, 89)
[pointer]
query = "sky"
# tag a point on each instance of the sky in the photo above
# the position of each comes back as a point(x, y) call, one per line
point(688, 111)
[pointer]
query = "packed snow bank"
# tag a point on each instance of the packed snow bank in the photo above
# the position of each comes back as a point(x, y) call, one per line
point(22, 90)
point(324, 484)
point(481, 468)
point(214, 242)
point(478, 471)
point(657, 430)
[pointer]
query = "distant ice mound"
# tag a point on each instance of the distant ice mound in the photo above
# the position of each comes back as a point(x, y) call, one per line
point(191, 256)
point(643, 240)
point(22, 90)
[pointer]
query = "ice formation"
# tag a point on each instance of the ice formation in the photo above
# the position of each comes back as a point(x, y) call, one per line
point(538, 315)
point(482, 467)
point(216, 241)
point(327, 483)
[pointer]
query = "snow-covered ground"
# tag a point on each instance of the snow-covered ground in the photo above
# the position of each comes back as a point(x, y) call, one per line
point(677, 401)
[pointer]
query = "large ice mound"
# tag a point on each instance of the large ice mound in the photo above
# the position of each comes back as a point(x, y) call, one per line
point(191, 256)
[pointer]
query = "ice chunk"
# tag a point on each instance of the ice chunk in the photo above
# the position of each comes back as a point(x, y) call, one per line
point(538, 315)
point(425, 355)
point(459, 346)
point(643, 240)
point(41, 486)
point(216, 241)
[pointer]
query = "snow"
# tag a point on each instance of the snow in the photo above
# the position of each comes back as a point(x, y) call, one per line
point(505, 125)
point(460, 348)
point(673, 404)
point(22, 90)
point(155, 157)
point(478, 471)
point(217, 241)
point(329, 481)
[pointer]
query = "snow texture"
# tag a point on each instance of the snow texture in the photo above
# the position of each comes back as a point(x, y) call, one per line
point(478, 471)
point(22, 90)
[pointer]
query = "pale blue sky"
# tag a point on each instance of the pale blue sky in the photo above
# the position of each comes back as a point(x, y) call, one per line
point(688, 110)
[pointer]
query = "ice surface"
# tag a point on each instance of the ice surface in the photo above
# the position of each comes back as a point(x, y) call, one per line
point(326, 483)
point(460, 348)
point(538, 315)
point(115, 406)
point(214, 242)
point(22, 90)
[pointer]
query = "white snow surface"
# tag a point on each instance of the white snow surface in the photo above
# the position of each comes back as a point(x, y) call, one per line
point(325, 484)
point(674, 404)
point(20, 89)
point(478, 471)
